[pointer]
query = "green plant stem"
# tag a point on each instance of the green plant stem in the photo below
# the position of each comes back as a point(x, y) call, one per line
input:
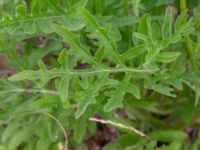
point(128, 28)
point(187, 40)
point(126, 13)
point(183, 5)
point(126, 7)
point(191, 51)
point(99, 7)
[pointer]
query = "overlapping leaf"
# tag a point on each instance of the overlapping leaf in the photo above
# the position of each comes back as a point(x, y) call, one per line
point(40, 19)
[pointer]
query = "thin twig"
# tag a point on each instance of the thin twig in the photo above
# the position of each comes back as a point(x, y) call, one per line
point(118, 125)
point(60, 124)
point(55, 119)
point(188, 41)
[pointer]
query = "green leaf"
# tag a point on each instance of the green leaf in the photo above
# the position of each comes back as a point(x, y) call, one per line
point(9, 131)
point(167, 24)
point(35, 9)
point(176, 145)
point(168, 135)
point(177, 83)
point(136, 5)
point(46, 102)
point(19, 137)
point(140, 36)
point(134, 90)
point(42, 16)
point(144, 26)
point(53, 131)
point(42, 142)
point(55, 6)
point(63, 59)
point(114, 32)
point(79, 129)
point(100, 54)
point(167, 57)
point(117, 96)
point(92, 92)
point(181, 20)
point(8, 48)
point(76, 47)
point(123, 21)
point(124, 139)
point(159, 88)
point(182, 25)
point(73, 21)
point(43, 75)
point(133, 52)
point(188, 112)
point(63, 90)
point(101, 34)
point(29, 27)
point(84, 82)
point(21, 10)
point(27, 74)
point(46, 26)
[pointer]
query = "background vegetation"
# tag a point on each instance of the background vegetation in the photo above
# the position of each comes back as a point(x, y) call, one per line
point(132, 66)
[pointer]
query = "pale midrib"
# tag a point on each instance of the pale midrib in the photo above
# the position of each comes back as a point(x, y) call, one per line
point(109, 71)
point(22, 20)
point(32, 18)
point(79, 72)
point(61, 73)
point(19, 90)
point(93, 72)
point(72, 73)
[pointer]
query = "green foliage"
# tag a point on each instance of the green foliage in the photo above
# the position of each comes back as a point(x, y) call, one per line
point(99, 58)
